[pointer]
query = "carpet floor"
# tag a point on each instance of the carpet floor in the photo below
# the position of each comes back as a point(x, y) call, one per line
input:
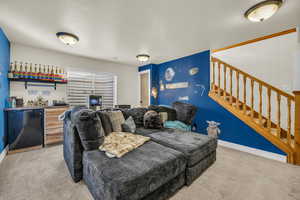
point(42, 174)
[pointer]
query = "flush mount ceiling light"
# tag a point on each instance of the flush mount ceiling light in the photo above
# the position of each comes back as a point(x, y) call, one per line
point(263, 10)
point(143, 57)
point(67, 38)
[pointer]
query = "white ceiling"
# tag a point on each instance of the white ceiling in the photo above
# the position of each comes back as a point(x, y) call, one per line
point(118, 30)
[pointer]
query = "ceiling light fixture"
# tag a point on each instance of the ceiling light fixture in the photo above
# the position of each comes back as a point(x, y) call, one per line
point(263, 10)
point(67, 38)
point(143, 57)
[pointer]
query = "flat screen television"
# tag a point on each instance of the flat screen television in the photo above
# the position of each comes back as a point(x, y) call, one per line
point(95, 100)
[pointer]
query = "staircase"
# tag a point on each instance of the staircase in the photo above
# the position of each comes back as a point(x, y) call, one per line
point(226, 92)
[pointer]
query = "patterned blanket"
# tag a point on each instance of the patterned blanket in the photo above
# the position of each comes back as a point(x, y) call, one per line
point(120, 143)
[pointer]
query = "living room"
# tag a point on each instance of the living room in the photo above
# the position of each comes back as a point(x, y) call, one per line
point(149, 100)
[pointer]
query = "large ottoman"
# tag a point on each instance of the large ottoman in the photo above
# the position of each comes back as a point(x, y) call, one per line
point(199, 149)
point(150, 172)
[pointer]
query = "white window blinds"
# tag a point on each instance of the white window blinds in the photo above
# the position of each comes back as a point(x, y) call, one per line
point(81, 85)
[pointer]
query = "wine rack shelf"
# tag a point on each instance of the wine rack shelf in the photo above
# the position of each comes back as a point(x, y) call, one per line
point(27, 82)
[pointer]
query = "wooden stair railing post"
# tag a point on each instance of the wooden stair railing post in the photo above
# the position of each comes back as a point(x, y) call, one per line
point(260, 104)
point(297, 127)
point(278, 115)
point(252, 99)
point(219, 79)
point(245, 93)
point(213, 76)
point(224, 94)
point(237, 102)
point(269, 93)
point(289, 121)
point(231, 98)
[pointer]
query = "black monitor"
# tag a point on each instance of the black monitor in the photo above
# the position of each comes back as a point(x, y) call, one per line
point(95, 100)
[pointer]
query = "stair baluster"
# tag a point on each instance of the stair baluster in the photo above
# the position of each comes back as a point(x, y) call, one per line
point(219, 79)
point(231, 98)
point(252, 99)
point(245, 93)
point(269, 109)
point(237, 102)
point(213, 77)
point(260, 104)
point(278, 115)
point(289, 121)
point(224, 93)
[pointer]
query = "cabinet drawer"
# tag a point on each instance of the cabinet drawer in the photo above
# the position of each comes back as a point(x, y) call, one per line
point(53, 139)
point(53, 124)
point(54, 131)
point(55, 111)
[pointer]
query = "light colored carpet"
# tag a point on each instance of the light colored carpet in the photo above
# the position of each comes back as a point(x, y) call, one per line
point(42, 174)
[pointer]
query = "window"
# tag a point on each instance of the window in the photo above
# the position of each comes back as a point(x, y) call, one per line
point(81, 85)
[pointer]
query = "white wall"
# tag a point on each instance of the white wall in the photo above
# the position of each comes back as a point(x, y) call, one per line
point(128, 85)
point(271, 60)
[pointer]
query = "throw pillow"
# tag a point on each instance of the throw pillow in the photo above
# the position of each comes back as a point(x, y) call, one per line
point(106, 123)
point(129, 125)
point(185, 112)
point(120, 143)
point(89, 129)
point(116, 119)
point(137, 115)
point(171, 111)
point(152, 120)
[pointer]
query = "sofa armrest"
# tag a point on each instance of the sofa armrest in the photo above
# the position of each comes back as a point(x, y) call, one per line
point(72, 150)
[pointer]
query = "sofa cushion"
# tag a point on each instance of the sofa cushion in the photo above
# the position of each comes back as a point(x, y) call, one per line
point(152, 120)
point(89, 128)
point(129, 125)
point(185, 112)
point(171, 111)
point(116, 119)
point(137, 115)
point(133, 176)
point(106, 123)
point(195, 146)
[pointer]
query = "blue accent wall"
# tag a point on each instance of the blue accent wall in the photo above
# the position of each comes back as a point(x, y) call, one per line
point(4, 88)
point(232, 129)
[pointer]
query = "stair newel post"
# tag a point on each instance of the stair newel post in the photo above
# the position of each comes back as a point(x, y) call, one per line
point(225, 82)
point(213, 75)
point(245, 93)
point(237, 89)
point(297, 127)
point(252, 99)
point(278, 114)
point(231, 99)
point(269, 108)
point(260, 104)
point(219, 79)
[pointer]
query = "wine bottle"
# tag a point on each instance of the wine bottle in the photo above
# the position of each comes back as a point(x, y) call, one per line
point(16, 70)
point(25, 74)
point(41, 72)
point(21, 75)
point(10, 72)
point(30, 71)
point(35, 72)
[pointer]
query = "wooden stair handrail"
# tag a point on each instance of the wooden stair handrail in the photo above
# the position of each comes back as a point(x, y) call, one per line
point(213, 59)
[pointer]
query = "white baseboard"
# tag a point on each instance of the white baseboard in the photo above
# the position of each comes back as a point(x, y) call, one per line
point(3, 154)
point(253, 151)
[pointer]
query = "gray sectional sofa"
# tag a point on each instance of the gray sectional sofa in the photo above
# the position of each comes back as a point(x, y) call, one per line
point(153, 171)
